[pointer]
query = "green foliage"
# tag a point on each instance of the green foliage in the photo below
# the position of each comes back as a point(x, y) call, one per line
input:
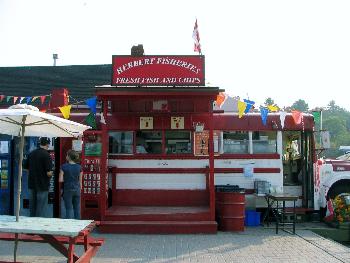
point(337, 121)
point(300, 105)
point(269, 101)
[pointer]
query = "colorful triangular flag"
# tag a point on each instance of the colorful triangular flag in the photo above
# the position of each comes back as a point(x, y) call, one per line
point(2, 97)
point(283, 115)
point(8, 98)
point(272, 108)
point(317, 116)
point(103, 120)
point(220, 99)
point(250, 104)
point(92, 104)
point(241, 108)
point(28, 99)
point(65, 111)
point(297, 115)
point(15, 98)
point(21, 99)
point(42, 99)
point(91, 121)
point(264, 112)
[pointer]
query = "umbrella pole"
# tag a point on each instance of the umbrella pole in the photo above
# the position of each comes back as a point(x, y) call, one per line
point(19, 184)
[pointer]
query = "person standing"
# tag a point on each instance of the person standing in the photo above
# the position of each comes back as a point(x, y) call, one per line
point(71, 176)
point(39, 166)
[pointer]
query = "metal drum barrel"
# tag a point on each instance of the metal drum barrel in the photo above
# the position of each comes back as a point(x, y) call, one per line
point(230, 210)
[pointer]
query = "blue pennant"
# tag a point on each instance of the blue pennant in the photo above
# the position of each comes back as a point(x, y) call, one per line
point(92, 104)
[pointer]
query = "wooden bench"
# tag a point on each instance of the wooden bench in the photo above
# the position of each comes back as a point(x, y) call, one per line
point(54, 231)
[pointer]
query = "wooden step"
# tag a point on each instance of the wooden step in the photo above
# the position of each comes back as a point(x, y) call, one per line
point(158, 227)
point(157, 213)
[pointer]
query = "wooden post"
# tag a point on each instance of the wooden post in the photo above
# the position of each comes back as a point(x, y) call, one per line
point(211, 166)
point(104, 172)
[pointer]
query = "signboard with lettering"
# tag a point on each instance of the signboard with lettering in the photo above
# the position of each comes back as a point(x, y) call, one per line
point(146, 123)
point(201, 143)
point(177, 123)
point(158, 71)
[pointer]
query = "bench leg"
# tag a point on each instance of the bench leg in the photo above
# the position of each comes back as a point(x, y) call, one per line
point(56, 244)
point(70, 256)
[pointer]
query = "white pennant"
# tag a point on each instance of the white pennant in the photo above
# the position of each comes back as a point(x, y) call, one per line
point(103, 121)
point(282, 118)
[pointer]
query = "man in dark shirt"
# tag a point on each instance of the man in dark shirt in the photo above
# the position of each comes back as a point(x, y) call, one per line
point(39, 165)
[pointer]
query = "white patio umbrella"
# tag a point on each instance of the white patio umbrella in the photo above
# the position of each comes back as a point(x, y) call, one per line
point(25, 120)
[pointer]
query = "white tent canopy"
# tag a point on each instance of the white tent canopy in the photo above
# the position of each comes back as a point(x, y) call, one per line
point(25, 120)
point(37, 123)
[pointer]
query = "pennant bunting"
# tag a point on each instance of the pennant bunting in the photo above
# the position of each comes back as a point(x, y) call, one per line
point(8, 98)
point(264, 112)
point(220, 99)
point(235, 104)
point(91, 121)
point(65, 111)
point(195, 36)
point(283, 115)
point(2, 97)
point(241, 108)
point(35, 98)
point(92, 104)
point(21, 99)
point(317, 116)
point(103, 120)
point(42, 99)
point(28, 99)
point(297, 115)
point(272, 108)
point(250, 104)
point(15, 98)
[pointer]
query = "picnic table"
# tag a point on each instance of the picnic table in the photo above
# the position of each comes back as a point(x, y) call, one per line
point(280, 212)
point(54, 231)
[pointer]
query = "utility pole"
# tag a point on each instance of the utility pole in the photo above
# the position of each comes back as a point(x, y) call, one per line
point(55, 57)
point(320, 127)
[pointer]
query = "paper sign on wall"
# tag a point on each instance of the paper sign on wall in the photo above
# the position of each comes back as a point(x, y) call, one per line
point(146, 123)
point(201, 143)
point(177, 123)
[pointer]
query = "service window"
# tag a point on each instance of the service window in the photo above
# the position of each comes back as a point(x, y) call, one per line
point(178, 142)
point(149, 142)
point(121, 142)
point(236, 142)
point(264, 142)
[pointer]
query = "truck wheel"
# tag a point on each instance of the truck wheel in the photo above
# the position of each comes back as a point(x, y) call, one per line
point(340, 187)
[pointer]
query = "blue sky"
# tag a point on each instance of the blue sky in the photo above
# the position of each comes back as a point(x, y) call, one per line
point(287, 50)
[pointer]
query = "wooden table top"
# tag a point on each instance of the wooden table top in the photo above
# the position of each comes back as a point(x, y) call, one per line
point(282, 197)
point(43, 226)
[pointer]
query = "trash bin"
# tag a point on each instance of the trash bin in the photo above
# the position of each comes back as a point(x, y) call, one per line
point(230, 207)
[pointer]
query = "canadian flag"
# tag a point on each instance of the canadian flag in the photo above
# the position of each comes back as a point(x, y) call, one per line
point(195, 36)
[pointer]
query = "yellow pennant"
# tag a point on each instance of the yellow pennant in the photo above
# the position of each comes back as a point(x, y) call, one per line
point(272, 108)
point(241, 108)
point(65, 111)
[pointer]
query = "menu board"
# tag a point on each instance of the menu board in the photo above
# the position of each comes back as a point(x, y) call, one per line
point(201, 143)
point(91, 176)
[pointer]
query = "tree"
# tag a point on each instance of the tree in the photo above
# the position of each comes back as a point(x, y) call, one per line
point(300, 105)
point(269, 101)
